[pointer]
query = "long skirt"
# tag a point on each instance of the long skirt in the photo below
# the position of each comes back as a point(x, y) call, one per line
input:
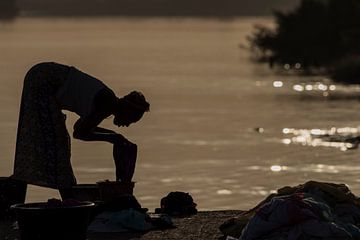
point(42, 155)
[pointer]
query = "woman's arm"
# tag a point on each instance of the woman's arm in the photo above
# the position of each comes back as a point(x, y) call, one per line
point(86, 128)
point(103, 130)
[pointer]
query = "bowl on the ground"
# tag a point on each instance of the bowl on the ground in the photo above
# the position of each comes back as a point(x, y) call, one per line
point(11, 192)
point(43, 221)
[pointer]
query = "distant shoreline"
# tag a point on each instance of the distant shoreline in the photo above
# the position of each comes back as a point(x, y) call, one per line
point(134, 15)
point(149, 8)
point(131, 17)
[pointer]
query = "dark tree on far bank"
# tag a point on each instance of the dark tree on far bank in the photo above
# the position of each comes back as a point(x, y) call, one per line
point(318, 35)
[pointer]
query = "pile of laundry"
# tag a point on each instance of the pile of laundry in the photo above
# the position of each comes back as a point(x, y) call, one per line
point(314, 210)
point(125, 214)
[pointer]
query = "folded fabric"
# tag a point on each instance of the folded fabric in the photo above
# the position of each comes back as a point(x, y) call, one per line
point(128, 220)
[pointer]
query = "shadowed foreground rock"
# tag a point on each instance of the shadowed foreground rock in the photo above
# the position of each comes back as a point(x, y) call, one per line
point(204, 225)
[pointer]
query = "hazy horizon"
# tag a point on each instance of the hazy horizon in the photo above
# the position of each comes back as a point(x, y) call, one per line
point(153, 7)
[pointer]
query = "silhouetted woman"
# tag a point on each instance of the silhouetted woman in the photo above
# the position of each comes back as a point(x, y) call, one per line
point(42, 155)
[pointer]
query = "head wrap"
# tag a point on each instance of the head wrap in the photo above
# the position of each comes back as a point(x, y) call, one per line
point(137, 100)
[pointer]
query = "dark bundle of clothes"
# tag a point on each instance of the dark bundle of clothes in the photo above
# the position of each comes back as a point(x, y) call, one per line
point(314, 210)
point(177, 204)
point(125, 214)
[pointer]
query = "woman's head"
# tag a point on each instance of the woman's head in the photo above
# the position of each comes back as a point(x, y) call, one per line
point(130, 109)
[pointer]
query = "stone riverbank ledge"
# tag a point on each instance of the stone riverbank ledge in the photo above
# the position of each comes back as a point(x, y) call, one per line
point(203, 225)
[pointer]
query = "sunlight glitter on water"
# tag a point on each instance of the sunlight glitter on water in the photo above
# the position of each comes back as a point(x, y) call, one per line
point(345, 138)
point(224, 192)
point(320, 87)
point(315, 168)
point(257, 192)
point(278, 84)
point(278, 168)
point(314, 87)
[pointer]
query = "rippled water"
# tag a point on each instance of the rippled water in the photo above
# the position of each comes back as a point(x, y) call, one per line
point(218, 123)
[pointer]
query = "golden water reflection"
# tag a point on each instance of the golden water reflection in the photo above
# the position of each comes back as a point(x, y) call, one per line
point(315, 168)
point(322, 87)
point(345, 138)
point(277, 168)
point(224, 192)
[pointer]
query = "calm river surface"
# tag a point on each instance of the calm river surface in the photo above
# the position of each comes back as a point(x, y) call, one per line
point(220, 126)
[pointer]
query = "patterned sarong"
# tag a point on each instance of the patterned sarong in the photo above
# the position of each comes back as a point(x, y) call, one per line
point(42, 155)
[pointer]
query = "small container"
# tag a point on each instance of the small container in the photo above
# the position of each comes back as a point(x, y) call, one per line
point(39, 221)
point(110, 190)
point(86, 192)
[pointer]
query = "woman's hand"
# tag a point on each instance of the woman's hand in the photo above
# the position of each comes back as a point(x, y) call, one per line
point(120, 139)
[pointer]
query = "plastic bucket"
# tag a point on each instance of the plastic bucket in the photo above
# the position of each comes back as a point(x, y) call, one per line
point(86, 192)
point(110, 190)
point(11, 192)
point(38, 221)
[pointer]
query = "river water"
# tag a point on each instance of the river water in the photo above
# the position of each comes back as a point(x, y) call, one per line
point(222, 128)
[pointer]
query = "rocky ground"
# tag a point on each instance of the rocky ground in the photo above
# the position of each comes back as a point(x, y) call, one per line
point(204, 225)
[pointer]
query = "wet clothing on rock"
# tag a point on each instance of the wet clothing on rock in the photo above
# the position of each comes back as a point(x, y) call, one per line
point(42, 155)
point(177, 204)
point(120, 221)
point(314, 210)
point(299, 217)
point(128, 220)
point(125, 214)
